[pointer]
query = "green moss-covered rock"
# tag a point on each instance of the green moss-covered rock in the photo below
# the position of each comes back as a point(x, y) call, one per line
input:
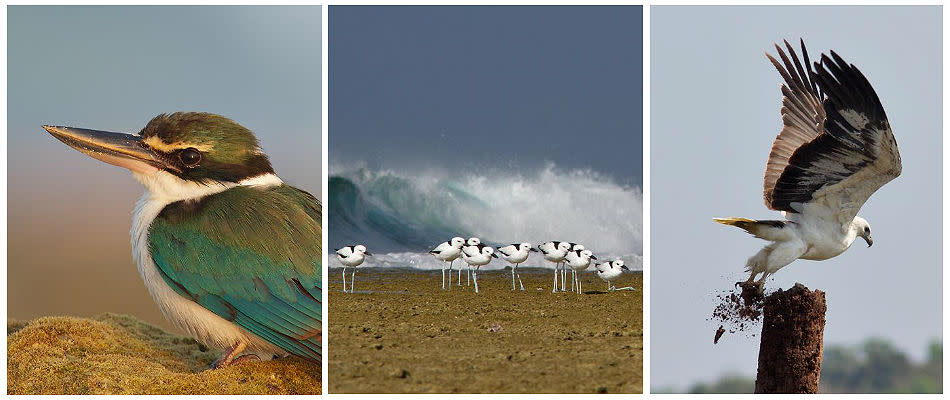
point(118, 354)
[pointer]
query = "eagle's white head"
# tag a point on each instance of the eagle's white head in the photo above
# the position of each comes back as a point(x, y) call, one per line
point(862, 229)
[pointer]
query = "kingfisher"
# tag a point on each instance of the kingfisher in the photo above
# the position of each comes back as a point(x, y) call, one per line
point(231, 254)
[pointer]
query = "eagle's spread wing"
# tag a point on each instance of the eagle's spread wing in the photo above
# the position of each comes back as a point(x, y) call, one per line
point(836, 147)
point(252, 256)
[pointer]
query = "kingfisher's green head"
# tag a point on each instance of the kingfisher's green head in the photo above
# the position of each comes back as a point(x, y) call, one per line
point(193, 147)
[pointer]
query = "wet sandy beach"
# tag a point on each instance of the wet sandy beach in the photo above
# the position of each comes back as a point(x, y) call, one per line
point(399, 333)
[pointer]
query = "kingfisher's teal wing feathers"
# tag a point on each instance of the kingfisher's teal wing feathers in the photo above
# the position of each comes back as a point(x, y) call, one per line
point(252, 256)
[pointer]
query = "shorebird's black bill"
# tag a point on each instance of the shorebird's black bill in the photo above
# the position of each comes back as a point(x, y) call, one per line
point(115, 148)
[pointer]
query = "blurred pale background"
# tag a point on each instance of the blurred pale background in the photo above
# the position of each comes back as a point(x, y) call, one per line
point(114, 68)
point(715, 103)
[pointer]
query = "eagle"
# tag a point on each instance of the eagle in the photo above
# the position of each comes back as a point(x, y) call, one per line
point(835, 149)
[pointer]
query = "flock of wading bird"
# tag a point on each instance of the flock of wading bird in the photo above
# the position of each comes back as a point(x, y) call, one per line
point(475, 254)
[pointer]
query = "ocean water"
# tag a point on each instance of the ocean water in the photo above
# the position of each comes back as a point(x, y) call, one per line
point(400, 216)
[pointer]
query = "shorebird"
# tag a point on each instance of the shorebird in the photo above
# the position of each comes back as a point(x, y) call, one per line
point(835, 150)
point(474, 245)
point(351, 256)
point(228, 251)
point(481, 256)
point(448, 252)
point(516, 254)
point(554, 252)
point(610, 271)
point(578, 260)
point(574, 247)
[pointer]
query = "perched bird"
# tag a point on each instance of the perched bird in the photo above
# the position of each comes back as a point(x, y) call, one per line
point(610, 271)
point(516, 254)
point(473, 245)
point(448, 252)
point(477, 257)
point(351, 256)
point(836, 149)
point(554, 252)
point(578, 260)
point(230, 253)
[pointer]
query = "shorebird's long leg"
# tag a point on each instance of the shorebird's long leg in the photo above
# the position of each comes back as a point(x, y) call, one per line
point(460, 275)
point(580, 285)
point(555, 278)
point(564, 278)
point(450, 273)
point(468, 278)
point(512, 277)
point(352, 280)
point(475, 278)
point(344, 279)
point(519, 278)
point(225, 359)
point(443, 275)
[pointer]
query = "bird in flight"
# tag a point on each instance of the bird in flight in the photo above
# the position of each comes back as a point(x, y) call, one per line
point(231, 254)
point(835, 149)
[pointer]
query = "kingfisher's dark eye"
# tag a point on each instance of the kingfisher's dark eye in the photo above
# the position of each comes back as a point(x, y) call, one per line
point(190, 157)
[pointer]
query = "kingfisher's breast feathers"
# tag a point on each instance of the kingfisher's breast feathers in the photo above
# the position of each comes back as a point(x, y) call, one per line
point(250, 254)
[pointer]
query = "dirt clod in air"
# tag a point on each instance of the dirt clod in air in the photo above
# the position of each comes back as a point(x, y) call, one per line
point(719, 333)
point(739, 310)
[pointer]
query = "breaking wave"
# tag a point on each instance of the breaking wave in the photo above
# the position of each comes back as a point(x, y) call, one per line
point(400, 216)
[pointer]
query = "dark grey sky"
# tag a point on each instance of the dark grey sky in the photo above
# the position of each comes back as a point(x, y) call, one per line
point(450, 87)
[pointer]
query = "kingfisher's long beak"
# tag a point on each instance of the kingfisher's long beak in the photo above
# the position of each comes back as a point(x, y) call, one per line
point(869, 240)
point(124, 150)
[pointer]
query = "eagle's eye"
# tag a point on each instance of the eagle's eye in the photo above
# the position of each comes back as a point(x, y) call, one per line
point(867, 230)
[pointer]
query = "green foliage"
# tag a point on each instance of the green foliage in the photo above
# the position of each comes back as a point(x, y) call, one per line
point(875, 366)
point(726, 384)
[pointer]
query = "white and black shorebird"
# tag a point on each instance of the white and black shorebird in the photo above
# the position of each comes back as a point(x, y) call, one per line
point(476, 256)
point(351, 256)
point(578, 260)
point(836, 148)
point(554, 251)
point(474, 245)
point(610, 271)
point(516, 254)
point(564, 266)
point(447, 252)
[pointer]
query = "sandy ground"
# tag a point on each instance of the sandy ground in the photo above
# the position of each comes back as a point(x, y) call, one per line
point(399, 333)
point(118, 354)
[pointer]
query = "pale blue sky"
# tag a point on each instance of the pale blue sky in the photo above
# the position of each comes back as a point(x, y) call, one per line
point(715, 110)
point(114, 68)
